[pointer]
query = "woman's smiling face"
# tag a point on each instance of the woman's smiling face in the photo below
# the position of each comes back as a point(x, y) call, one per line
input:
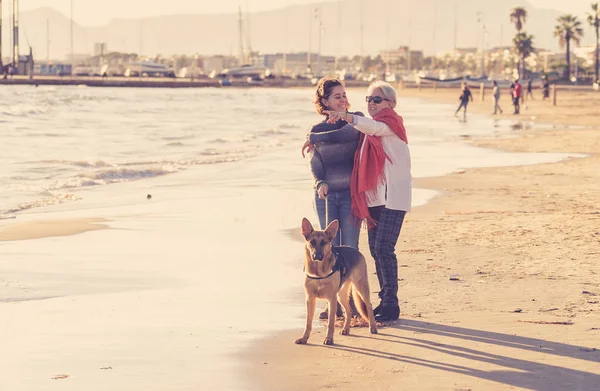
point(337, 100)
point(375, 108)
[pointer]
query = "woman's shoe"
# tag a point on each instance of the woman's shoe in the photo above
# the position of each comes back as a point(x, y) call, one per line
point(325, 313)
point(377, 309)
point(388, 313)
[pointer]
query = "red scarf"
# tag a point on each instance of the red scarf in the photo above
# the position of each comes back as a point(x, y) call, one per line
point(368, 171)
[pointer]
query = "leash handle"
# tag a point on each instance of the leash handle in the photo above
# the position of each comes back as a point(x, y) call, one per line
point(326, 210)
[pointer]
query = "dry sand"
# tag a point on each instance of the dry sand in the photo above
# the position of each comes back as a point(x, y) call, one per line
point(524, 246)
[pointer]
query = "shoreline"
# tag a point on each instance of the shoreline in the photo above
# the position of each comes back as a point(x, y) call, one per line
point(507, 232)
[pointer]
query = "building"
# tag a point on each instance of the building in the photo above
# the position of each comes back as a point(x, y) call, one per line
point(218, 63)
point(292, 64)
point(395, 56)
point(587, 53)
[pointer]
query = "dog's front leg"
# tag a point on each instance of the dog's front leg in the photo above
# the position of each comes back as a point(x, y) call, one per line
point(310, 313)
point(331, 320)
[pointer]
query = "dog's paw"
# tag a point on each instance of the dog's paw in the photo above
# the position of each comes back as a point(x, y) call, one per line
point(301, 341)
point(328, 341)
point(345, 332)
point(373, 330)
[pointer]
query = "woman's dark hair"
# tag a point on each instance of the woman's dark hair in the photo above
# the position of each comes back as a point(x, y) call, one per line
point(324, 87)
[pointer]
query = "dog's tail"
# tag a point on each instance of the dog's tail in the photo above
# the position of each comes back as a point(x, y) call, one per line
point(360, 305)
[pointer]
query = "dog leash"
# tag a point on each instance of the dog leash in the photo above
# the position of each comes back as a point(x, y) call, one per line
point(326, 210)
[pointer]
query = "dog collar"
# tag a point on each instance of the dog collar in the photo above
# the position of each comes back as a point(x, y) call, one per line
point(335, 268)
point(333, 271)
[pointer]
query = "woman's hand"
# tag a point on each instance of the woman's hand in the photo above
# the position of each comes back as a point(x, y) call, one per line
point(307, 147)
point(335, 116)
point(322, 191)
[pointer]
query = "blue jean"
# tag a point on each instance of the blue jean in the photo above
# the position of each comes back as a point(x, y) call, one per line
point(340, 208)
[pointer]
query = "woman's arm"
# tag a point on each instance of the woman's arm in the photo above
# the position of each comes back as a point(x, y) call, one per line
point(370, 126)
point(317, 168)
point(344, 134)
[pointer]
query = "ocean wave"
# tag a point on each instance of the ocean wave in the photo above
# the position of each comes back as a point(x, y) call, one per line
point(175, 138)
point(111, 175)
point(271, 132)
point(57, 198)
point(210, 152)
point(85, 163)
point(24, 110)
point(288, 126)
point(218, 141)
point(77, 163)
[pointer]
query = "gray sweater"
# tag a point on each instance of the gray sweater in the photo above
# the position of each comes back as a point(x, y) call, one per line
point(332, 158)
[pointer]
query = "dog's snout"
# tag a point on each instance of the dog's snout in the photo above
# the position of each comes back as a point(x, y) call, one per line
point(318, 257)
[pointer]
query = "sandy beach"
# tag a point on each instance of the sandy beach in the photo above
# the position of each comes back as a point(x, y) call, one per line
point(200, 285)
point(522, 245)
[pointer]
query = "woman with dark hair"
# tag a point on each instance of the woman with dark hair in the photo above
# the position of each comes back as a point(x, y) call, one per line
point(331, 149)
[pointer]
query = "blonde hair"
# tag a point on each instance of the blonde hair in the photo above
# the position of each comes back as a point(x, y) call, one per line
point(386, 89)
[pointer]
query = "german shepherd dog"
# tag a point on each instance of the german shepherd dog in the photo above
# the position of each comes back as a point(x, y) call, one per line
point(330, 273)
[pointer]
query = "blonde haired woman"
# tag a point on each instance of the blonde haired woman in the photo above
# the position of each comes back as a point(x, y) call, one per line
point(381, 186)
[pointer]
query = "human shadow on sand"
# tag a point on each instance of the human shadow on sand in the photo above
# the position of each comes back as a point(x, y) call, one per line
point(522, 373)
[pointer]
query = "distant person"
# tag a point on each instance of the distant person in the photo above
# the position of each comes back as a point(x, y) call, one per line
point(517, 93)
point(529, 90)
point(464, 98)
point(546, 90)
point(496, 95)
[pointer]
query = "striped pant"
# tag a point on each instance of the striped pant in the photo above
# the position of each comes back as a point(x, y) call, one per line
point(382, 243)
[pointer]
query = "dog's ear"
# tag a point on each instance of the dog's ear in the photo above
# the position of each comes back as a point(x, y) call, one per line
point(332, 229)
point(307, 228)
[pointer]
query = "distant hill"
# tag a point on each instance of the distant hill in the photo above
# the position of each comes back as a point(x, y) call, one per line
point(287, 29)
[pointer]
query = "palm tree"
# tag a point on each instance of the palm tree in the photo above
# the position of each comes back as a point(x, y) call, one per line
point(518, 16)
point(567, 29)
point(593, 19)
point(523, 48)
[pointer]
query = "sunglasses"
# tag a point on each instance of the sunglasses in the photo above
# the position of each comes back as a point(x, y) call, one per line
point(376, 99)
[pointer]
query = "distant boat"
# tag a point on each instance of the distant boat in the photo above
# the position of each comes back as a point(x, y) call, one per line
point(149, 69)
point(255, 81)
point(244, 71)
point(446, 82)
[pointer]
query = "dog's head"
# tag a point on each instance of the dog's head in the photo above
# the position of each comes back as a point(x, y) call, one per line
point(318, 243)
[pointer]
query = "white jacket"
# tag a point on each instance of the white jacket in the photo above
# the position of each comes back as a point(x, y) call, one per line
point(396, 193)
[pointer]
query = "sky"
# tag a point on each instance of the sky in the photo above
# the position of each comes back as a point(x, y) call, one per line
point(90, 13)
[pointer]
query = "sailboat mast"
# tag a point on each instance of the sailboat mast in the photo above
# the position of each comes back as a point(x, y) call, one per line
point(72, 53)
point(339, 27)
point(434, 26)
point(242, 60)
point(1, 33)
point(308, 59)
point(408, 56)
point(320, 25)
point(247, 32)
point(48, 40)
point(455, 29)
point(362, 33)
point(141, 37)
point(15, 32)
